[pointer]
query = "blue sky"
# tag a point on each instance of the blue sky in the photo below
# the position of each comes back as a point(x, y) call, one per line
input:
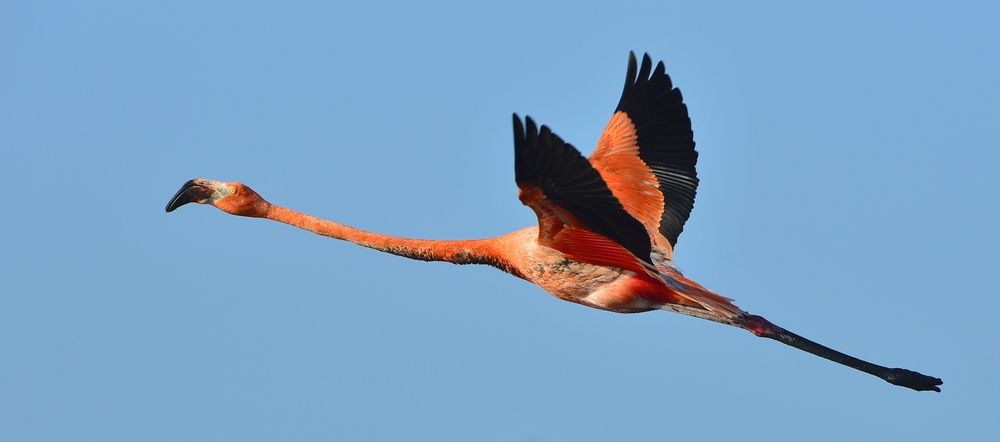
point(849, 159)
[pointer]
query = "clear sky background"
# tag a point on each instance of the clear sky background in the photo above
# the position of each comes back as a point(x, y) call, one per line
point(849, 165)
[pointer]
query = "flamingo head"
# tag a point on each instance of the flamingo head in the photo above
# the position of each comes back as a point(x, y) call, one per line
point(232, 198)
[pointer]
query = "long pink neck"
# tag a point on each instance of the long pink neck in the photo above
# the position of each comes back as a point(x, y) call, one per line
point(477, 251)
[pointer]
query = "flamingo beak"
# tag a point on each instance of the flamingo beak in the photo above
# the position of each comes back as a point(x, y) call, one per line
point(194, 191)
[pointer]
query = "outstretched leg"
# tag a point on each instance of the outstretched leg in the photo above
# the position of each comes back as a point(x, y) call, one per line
point(896, 376)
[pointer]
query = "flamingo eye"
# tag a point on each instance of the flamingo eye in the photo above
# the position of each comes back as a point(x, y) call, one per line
point(232, 190)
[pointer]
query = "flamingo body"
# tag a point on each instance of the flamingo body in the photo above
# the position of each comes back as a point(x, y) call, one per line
point(607, 224)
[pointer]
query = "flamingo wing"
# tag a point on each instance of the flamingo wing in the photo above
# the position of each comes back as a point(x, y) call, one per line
point(577, 212)
point(646, 154)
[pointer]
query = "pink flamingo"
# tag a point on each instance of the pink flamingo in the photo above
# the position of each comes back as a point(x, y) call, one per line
point(607, 225)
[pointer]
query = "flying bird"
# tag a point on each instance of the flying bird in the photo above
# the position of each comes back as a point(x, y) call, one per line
point(607, 224)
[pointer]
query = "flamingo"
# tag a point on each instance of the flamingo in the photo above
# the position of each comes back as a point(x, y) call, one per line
point(607, 224)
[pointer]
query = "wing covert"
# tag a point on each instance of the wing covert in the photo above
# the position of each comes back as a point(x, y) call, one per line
point(554, 176)
point(646, 153)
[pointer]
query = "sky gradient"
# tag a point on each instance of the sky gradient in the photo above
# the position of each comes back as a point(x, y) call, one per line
point(849, 193)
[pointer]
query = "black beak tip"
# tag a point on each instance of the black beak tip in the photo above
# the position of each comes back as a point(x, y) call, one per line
point(190, 192)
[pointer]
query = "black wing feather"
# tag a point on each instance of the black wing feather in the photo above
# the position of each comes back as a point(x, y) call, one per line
point(666, 143)
point(568, 180)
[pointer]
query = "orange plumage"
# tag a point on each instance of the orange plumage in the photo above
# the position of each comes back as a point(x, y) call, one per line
point(607, 225)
